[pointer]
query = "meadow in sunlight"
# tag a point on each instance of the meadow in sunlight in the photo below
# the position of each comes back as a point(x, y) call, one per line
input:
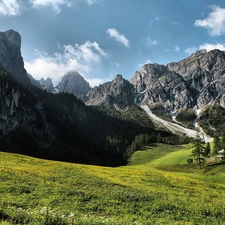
point(158, 187)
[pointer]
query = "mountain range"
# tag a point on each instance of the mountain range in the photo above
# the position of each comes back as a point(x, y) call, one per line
point(74, 122)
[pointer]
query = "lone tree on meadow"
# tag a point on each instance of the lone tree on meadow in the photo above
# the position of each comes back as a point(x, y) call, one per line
point(199, 150)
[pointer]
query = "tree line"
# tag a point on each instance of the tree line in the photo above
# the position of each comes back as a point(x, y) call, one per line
point(202, 150)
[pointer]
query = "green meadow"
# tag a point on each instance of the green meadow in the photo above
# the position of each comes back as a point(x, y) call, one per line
point(157, 187)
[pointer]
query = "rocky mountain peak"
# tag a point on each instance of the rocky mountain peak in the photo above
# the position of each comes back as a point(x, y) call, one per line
point(46, 84)
point(74, 83)
point(198, 53)
point(192, 82)
point(117, 92)
point(152, 69)
point(13, 37)
point(10, 55)
point(148, 74)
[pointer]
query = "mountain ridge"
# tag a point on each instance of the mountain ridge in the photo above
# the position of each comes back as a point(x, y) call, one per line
point(60, 126)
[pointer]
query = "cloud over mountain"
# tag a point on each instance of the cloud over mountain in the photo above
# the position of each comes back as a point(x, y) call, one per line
point(9, 8)
point(215, 22)
point(83, 58)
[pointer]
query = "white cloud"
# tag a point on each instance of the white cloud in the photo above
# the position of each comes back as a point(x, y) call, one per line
point(215, 22)
point(190, 50)
point(9, 8)
point(91, 2)
point(95, 81)
point(177, 48)
point(142, 64)
point(112, 32)
point(210, 47)
point(54, 3)
point(82, 58)
point(151, 42)
point(206, 46)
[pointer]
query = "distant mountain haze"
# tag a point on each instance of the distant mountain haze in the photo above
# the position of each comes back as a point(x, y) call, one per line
point(74, 83)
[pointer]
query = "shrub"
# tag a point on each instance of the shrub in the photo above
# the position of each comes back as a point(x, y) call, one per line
point(189, 161)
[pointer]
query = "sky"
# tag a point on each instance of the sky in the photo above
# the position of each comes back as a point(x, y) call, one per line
point(103, 38)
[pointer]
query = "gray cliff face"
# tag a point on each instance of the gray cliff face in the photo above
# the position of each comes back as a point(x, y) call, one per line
point(148, 74)
point(204, 73)
point(74, 83)
point(119, 92)
point(17, 109)
point(193, 82)
point(163, 90)
point(10, 55)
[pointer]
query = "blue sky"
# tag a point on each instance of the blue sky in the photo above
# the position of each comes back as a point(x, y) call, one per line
point(103, 38)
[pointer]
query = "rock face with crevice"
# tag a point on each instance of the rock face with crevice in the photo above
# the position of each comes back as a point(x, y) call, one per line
point(118, 92)
point(10, 56)
point(46, 84)
point(195, 81)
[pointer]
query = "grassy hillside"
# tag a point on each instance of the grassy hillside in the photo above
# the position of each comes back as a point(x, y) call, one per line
point(34, 191)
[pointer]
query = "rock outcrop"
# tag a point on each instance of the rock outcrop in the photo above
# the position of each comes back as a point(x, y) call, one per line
point(46, 84)
point(204, 73)
point(193, 82)
point(118, 92)
point(10, 56)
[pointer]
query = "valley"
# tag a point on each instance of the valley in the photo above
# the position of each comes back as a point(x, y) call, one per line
point(112, 112)
point(118, 153)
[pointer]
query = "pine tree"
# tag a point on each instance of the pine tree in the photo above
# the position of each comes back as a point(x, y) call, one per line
point(207, 150)
point(199, 150)
point(216, 145)
point(223, 140)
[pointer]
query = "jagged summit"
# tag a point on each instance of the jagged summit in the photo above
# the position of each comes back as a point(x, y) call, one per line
point(12, 36)
point(117, 92)
point(73, 82)
point(46, 84)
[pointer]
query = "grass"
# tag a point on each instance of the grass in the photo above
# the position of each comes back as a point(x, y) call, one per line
point(155, 189)
point(152, 152)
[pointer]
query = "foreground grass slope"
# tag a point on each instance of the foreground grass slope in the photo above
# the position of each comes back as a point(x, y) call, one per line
point(34, 191)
